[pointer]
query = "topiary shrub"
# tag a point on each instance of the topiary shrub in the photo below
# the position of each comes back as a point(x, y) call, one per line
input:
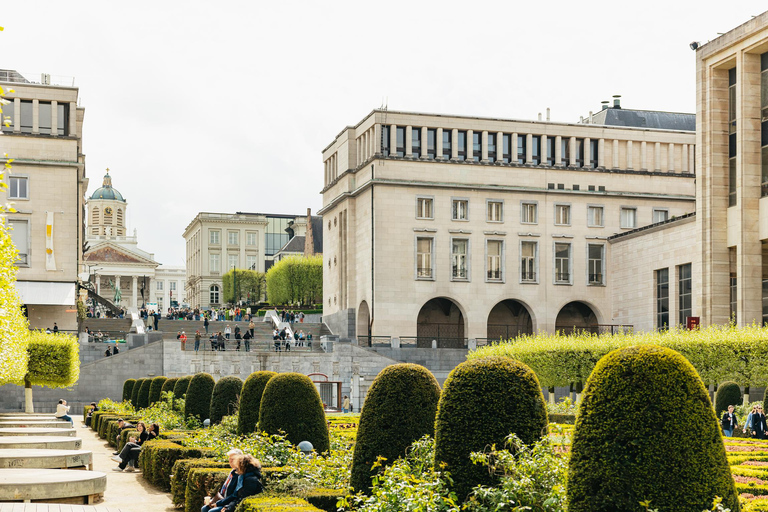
point(483, 401)
point(168, 386)
point(250, 401)
point(143, 402)
point(292, 404)
point(54, 360)
point(158, 457)
point(325, 499)
point(155, 388)
point(180, 472)
point(135, 392)
point(272, 503)
point(629, 446)
point(224, 400)
point(198, 402)
point(399, 409)
point(128, 389)
point(202, 482)
point(180, 389)
point(728, 393)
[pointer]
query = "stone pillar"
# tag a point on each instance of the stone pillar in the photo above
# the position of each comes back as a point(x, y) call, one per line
point(134, 292)
point(484, 146)
point(615, 154)
point(601, 153)
point(54, 118)
point(558, 150)
point(529, 149)
point(587, 153)
point(439, 144)
point(376, 147)
point(72, 119)
point(392, 139)
point(499, 146)
point(409, 142)
point(643, 156)
point(424, 142)
point(629, 155)
point(35, 116)
point(692, 158)
point(543, 153)
point(684, 159)
point(513, 148)
point(657, 157)
point(572, 152)
point(454, 144)
point(16, 115)
point(372, 140)
point(470, 146)
point(671, 157)
point(359, 143)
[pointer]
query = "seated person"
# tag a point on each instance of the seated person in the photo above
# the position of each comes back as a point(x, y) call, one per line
point(127, 458)
point(62, 411)
point(229, 487)
point(93, 408)
point(154, 431)
point(248, 484)
point(121, 425)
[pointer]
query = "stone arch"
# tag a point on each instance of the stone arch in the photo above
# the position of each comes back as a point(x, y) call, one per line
point(577, 316)
point(363, 330)
point(509, 318)
point(441, 319)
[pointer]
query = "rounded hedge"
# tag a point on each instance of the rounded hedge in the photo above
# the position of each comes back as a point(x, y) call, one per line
point(180, 389)
point(156, 388)
point(250, 401)
point(728, 393)
point(198, 402)
point(399, 408)
point(144, 394)
point(483, 401)
point(135, 392)
point(225, 398)
point(292, 404)
point(169, 384)
point(646, 430)
point(128, 389)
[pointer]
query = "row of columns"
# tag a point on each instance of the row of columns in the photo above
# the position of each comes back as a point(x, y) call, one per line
point(134, 289)
point(331, 169)
point(72, 129)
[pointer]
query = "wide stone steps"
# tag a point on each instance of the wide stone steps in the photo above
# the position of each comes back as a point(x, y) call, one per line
point(34, 431)
point(61, 485)
point(19, 423)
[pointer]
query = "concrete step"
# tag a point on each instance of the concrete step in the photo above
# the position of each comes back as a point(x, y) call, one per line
point(34, 431)
point(41, 442)
point(13, 423)
point(46, 459)
point(42, 507)
point(31, 485)
point(26, 416)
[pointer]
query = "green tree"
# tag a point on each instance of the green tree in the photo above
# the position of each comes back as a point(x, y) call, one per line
point(250, 401)
point(225, 398)
point(156, 388)
point(244, 284)
point(53, 362)
point(296, 280)
point(728, 393)
point(198, 401)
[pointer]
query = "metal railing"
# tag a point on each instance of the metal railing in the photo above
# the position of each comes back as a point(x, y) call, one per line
point(232, 345)
point(426, 342)
point(528, 276)
point(9, 75)
point(562, 277)
point(424, 272)
point(596, 329)
point(494, 275)
point(595, 278)
point(374, 341)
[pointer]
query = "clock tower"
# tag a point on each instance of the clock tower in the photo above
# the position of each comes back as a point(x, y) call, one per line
point(106, 211)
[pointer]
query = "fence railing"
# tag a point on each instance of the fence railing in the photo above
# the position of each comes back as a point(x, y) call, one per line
point(374, 341)
point(426, 342)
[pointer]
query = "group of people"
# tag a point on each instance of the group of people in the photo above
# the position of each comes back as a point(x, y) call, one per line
point(290, 316)
point(283, 339)
point(218, 340)
point(128, 457)
point(755, 424)
point(112, 352)
point(243, 481)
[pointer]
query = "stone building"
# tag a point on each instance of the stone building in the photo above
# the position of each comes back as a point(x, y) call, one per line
point(448, 228)
point(42, 133)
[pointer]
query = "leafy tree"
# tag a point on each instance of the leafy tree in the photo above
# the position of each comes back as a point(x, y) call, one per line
point(296, 280)
point(53, 362)
point(242, 284)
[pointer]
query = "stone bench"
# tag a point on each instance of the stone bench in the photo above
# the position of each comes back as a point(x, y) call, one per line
point(46, 459)
point(24, 416)
point(52, 485)
point(34, 423)
point(41, 442)
point(41, 507)
point(33, 431)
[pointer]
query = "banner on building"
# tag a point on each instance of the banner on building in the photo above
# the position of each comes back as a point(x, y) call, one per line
point(50, 258)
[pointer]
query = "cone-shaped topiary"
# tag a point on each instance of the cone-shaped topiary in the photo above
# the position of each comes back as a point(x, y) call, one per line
point(144, 394)
point(199, 393)
point(224, 400)
point(135, 392)
point(180, 389)
point(483, 401)
point(728, 393)
point(128, 388)
point(292, 404)
point(156, 388)
point(628, 444)
point(169, 384)
point(250, 401)
point(399, 408)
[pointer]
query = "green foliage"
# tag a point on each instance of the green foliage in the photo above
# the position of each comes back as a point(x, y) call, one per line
point(270, 503)
point(143, 398)
point(629, 443)
point(202, 482)
point(159, 456)
point(198, 400)
point(128, 389)
point(169, 384)
point(291, 404)
point(125, 434)
point(225, 398)
point(250, 401)
point(155, 388)
point(249, 285)
point(54, 359)
point(324, 499)
point(166, 412)
point(180, 473)
point(135, 392)
point(296, 280)
point(107, 405)
point(483, 401)
point(180, 389)
point(728, 393)
point(399, 409)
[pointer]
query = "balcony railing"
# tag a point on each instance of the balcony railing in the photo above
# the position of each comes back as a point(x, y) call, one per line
point(595, 278)
point(424, 272)
point(562, 277)
point(528, 276)
point(9, 75)
point(494, 275)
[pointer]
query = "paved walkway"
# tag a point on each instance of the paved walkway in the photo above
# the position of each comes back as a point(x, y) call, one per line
point(128, 492)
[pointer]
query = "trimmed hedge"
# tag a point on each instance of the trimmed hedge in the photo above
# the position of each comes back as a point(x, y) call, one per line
point(158, 457)
point(399, 409)
point(291, 404)
point(180, 389)
point(54, 359)
point(169, 384)
point(324, 499)
point(250, 401)
point(567, 419)
point(728, 393)
point(180, 472)
point(135, 392)
point(202, 482)
point(628, 444)
point(128, 389)
point(198, 402)
point(95, 419)
point(124, 435)
point(483, 401)
point(273, 503)
point(156, 388)
point(224, 401)
point(144, 394)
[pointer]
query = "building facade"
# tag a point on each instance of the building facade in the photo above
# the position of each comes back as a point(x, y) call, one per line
point(168, 288)
point(450, 227)
point(42, 133)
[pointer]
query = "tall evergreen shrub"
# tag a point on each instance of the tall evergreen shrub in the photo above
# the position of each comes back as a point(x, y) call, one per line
point(250, 401)
point(169, 384)
point(198, 402)
point(728, 393)
point(144, 394)
point(128, 389)
point(224, 400)
point(156, 388)
point(180, 389)
point(135, 392)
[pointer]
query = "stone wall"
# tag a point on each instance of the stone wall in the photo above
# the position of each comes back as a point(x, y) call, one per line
point(341, 323)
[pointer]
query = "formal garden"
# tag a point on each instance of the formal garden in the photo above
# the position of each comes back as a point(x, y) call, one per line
point(644, 435)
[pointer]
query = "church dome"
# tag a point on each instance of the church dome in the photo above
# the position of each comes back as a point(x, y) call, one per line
point(105, 191)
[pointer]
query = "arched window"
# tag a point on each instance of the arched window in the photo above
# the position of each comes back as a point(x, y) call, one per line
point(214, 294)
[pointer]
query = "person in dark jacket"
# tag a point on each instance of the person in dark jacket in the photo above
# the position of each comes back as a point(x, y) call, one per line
point(92, 410)
point(229, 484)
point(248, 484)
point(126, 457)
point(758, 423)
point(729, 422)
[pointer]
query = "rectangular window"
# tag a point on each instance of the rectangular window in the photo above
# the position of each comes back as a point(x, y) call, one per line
point(494, 250)
point(595, 264)
point(628, 218)
point(424, 208)
point(252, 238)
point(685, 292)
point(495, 211)
point(660, 215)
point(232, 237)
point(595, 216)
point(460, 209)
point(593, 148)
point(477, 146)
point(462, 146)
point(62, 121)
point(565, 155)
point(732, 195)
point(734, 297)
point(20, 239)
point(562, 263)
point(384, 140)
point(579, 152)
point(529, 213)
point(447, 144)
point(159, 286)
point(172, 286)
point(506, 144)
point(44, 117)
point(26, 116)
point(662, 299)
point(424, 246)
point(562, 215)
point(551, 151)
point(764, 122)
point(400, 149)
point(416, 142)
point(528, 255)
point(491, 147)
point(233, 261)
point(535, 150)
point(215, 237)
point(732, 182)
point(459, 258)
point(18, 187)
point(214, 263)
point(521, 149)
point(431, 143)
point(252, 261)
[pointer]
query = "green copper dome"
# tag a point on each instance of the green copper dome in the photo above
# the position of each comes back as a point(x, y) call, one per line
point(105, 191)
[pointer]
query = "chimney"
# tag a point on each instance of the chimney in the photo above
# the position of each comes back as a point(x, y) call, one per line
point(309, 243)
point(604, 104)
point(539, 116)
point(590, 118)
point(617, 101)
point(547, 113)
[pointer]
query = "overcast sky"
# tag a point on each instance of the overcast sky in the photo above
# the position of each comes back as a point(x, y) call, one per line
point(226, 106)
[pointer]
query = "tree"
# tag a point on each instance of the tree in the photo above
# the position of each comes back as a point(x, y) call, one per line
point(226, 394)
point(250, 401)
point(243, 284)
point(198, 401)
point(53, 362)
point(728, 393)
point(296, 280)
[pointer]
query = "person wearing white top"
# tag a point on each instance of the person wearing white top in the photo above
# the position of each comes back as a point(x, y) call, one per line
point(61, 411)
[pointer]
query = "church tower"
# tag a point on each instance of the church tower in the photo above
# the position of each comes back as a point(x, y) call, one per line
point(106, 211)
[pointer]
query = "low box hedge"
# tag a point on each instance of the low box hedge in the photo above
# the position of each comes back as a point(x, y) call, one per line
point(751, 488)
point(273, 503)
point(567, 419)
point(159, 456)
point(104, 422)
point(325, 499)
point(124, 435)
point(202, 482)
point(110, 431)
point(181, 472)
point(273, 474)
point(96, 418)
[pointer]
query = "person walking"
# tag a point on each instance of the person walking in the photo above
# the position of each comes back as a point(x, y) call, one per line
point(345, 404)
point(115, 350)
point(251, 326)
point(758, 423)
point(227, 331)
point(206, 323)
point(247, 339)
point(197, 341)
point(729, 422)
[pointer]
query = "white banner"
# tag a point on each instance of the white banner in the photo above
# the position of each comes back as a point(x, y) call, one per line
point(50, 259)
